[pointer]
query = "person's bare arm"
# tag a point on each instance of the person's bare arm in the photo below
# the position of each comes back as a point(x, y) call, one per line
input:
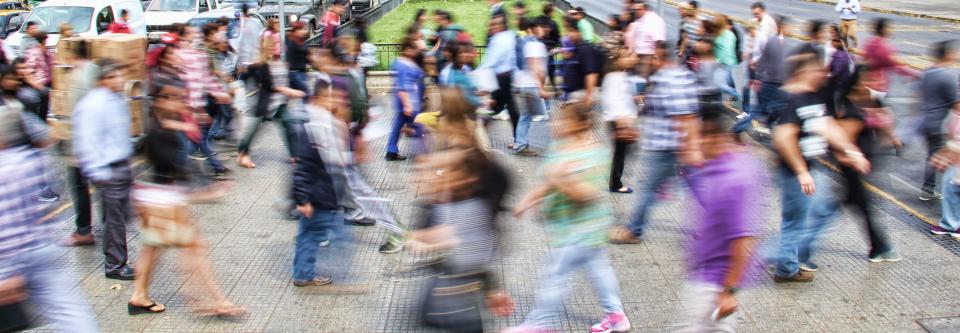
point(837, 138)
point(740, 250)
point(591, 85)
point(691, 154)
point(786, 142)
point(531, 199)
point(537, 69)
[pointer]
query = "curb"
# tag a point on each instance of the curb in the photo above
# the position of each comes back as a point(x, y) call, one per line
point(894, 12)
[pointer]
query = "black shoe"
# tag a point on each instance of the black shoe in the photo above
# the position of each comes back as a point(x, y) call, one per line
point(125, 273)
point(395, 157)
point(47, 195)
point(390, 247)
point(198, 156)
point(363, 222)
point(223, 174)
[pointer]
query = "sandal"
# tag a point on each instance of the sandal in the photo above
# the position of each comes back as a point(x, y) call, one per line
point(624, 190)
point(153, 307)
point(244, 162)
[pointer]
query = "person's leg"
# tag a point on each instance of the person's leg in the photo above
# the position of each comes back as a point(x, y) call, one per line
point(115, 201)
point(619, 158)
point(950, 206)
point(196, 260)
point(658, 167)
point(52, 290)
point(604, 279)
point(700, 300)
point(934, 144)
point(394, 139)
point(823, 207)
point(309, 235)
point(146, 264)
point(860, 198)
point(723, 79)
point(794, 214)
point(555, 286)
point(205, 149)
point(852, 32)
point(81, 200)
point(526, 101)
point(507, 81)
point(249, 134)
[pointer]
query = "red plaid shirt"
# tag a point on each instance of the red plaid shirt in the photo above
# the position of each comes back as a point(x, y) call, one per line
point(199, 80)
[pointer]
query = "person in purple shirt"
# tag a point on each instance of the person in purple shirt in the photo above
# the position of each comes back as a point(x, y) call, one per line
point(724, 239)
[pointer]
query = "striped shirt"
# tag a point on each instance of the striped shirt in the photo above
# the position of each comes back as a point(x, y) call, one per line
point(22, 174)
point(671, 92)
point(475, 229)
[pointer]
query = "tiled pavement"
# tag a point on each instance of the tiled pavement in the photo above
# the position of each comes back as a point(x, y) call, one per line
point(252, 247)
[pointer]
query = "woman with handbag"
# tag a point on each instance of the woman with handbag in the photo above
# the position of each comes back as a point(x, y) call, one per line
point(620, 113)
point(270, 75)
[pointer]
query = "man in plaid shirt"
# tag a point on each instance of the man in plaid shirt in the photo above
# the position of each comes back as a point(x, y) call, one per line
point(670, 135)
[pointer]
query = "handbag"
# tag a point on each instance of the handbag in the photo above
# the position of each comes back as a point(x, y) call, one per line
point(453, 301)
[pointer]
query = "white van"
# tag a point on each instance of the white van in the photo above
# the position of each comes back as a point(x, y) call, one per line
point(161, 14)
point(88, 18)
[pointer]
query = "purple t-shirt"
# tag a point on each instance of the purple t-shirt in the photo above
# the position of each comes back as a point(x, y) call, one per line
point(727, 187)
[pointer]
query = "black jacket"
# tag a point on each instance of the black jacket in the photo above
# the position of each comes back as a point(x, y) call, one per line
point(311, 182)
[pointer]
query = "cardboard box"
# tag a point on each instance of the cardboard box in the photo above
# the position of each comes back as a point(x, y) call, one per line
point(62, 128)
point(66, 48)
point(60, 102)
point(126, 48)
point(60, 77)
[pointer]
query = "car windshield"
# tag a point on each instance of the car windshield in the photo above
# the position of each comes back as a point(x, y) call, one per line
point(172, 6)
point(233, 29)
point(50, 18)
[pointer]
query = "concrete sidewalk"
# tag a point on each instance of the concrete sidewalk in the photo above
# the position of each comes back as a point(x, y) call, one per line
point(946, 10)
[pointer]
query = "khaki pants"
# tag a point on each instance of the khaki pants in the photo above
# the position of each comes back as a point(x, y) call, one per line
point(848, 28)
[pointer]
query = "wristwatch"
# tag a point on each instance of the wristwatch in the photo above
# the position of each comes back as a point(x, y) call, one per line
point(732, 290)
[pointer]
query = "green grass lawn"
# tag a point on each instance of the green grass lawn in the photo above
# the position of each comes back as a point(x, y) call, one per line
point(471, 14)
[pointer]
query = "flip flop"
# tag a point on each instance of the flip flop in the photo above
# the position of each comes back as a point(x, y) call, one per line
point(627, 191)
point(153, 307)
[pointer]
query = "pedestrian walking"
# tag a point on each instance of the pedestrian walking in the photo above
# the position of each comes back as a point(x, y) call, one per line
point(722, 242)
point(848, 11)
point(501, 59)
point(668, 136)
point(407, 96)
point(804, 132)
point(551, 39)
point(644, 34)
point(769, 71)
point(205, 92)
point(582, 24)
point(331, 21)
point(581, 68)
point(938, 91)
point(766, 24)
point(619, 97)
point(121, 26)
point(880, 55)
point(691, 30)
point(727, 53)
point(529, 90)
point(947, 160)
point(101, 142)
point(577, 213)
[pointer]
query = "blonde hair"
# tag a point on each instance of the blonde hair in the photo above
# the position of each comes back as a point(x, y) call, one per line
point(455, 124)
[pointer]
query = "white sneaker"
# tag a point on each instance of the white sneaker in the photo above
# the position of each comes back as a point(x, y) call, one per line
point(541, 118)
point(502, 116)
point(613, 322)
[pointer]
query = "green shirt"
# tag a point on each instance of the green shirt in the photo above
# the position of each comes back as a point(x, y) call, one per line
point(573, 223)
point(725, 48)
point(586, 30)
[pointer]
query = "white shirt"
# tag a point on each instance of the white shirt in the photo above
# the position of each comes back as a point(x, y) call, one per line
point(768, 26)
point(525, 78)
point(616, 96)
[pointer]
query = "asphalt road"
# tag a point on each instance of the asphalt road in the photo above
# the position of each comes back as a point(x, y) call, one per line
point(897, 178)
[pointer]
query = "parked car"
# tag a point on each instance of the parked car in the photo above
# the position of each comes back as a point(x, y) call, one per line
point(11, 20)
point(233, 29)
point(14, 5)
point(307, 11)
point(88, 18)
point(162, 14)
point(362, 6)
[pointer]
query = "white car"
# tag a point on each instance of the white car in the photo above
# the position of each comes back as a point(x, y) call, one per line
point(161, 14)
point(88, 18)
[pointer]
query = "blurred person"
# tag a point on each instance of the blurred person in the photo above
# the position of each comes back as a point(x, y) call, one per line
point(29, 39)
point(851, 115)
point(520, 13)
point(463, 194)
point(612, 41)
point(691, 30)
point(501, 58)
point(496, 10)
point(121, 26)
point(101, 143)
point(205, 90)
point(447, 32)
point(331, 21)
point(726, 52)
point(248, 45)
point(938, 91)
point(407, 96)
point(766, 24)
point(66, 30)
point(817, 42)
point(577, 212)
point(271, 35)
point(297, 52)
point(462, 57)
point(82, 78)
point(668, 136)
point(619, 99)
point(31, 96)
point(769, 76)
point(272, 77)
point(880, 54)
point(841, 68)
point(750, 54)
point(848, 10)
point(711, 75)
point(804, 132)
point(582, 24)
point(947, 160)
point(40, 59)
point(156, 232)
point(722, 243)
point(582, 67)
point(551, 38)
point(29, 271)
point(420, 19)
point(643, 35)
point(529, 90)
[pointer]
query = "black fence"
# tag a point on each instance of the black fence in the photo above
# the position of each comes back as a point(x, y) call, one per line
point(387, 54)
point(370, 17)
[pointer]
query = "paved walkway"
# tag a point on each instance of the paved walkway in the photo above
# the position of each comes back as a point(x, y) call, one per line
point(933, 8)
point(252, 249)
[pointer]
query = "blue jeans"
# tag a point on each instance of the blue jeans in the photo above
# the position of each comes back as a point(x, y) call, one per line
point(723, 78)
point(398, 121)
point(769, 99)
point(794, 231)
point(951, 200)
point(298, 81)
point(823, 206)
point(310, 233)
point(530, 104)
point(53, 289)
point(658, 167)
point(204, 148)
point(565, 261)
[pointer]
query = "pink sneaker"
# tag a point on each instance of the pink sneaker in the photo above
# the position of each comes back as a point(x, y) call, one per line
point(613, 322)
point(526, 329)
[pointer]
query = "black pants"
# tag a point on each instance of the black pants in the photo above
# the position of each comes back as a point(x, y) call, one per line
point(858, 196)
point(620, 149)
point(934, 143)
point(502, 98)
point(80, 191)
point(115, 202)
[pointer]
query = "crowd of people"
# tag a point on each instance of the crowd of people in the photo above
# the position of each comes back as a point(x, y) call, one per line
point(816, 100)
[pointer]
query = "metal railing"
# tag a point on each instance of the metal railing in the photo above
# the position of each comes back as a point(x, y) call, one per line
point(370, 17)
point(387, 54)
point(600, 27)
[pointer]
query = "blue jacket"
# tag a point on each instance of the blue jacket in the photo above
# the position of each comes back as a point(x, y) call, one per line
point(311, 181)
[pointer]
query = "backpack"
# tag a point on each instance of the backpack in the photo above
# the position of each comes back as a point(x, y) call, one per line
point(521, 60)
point(739, 44)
